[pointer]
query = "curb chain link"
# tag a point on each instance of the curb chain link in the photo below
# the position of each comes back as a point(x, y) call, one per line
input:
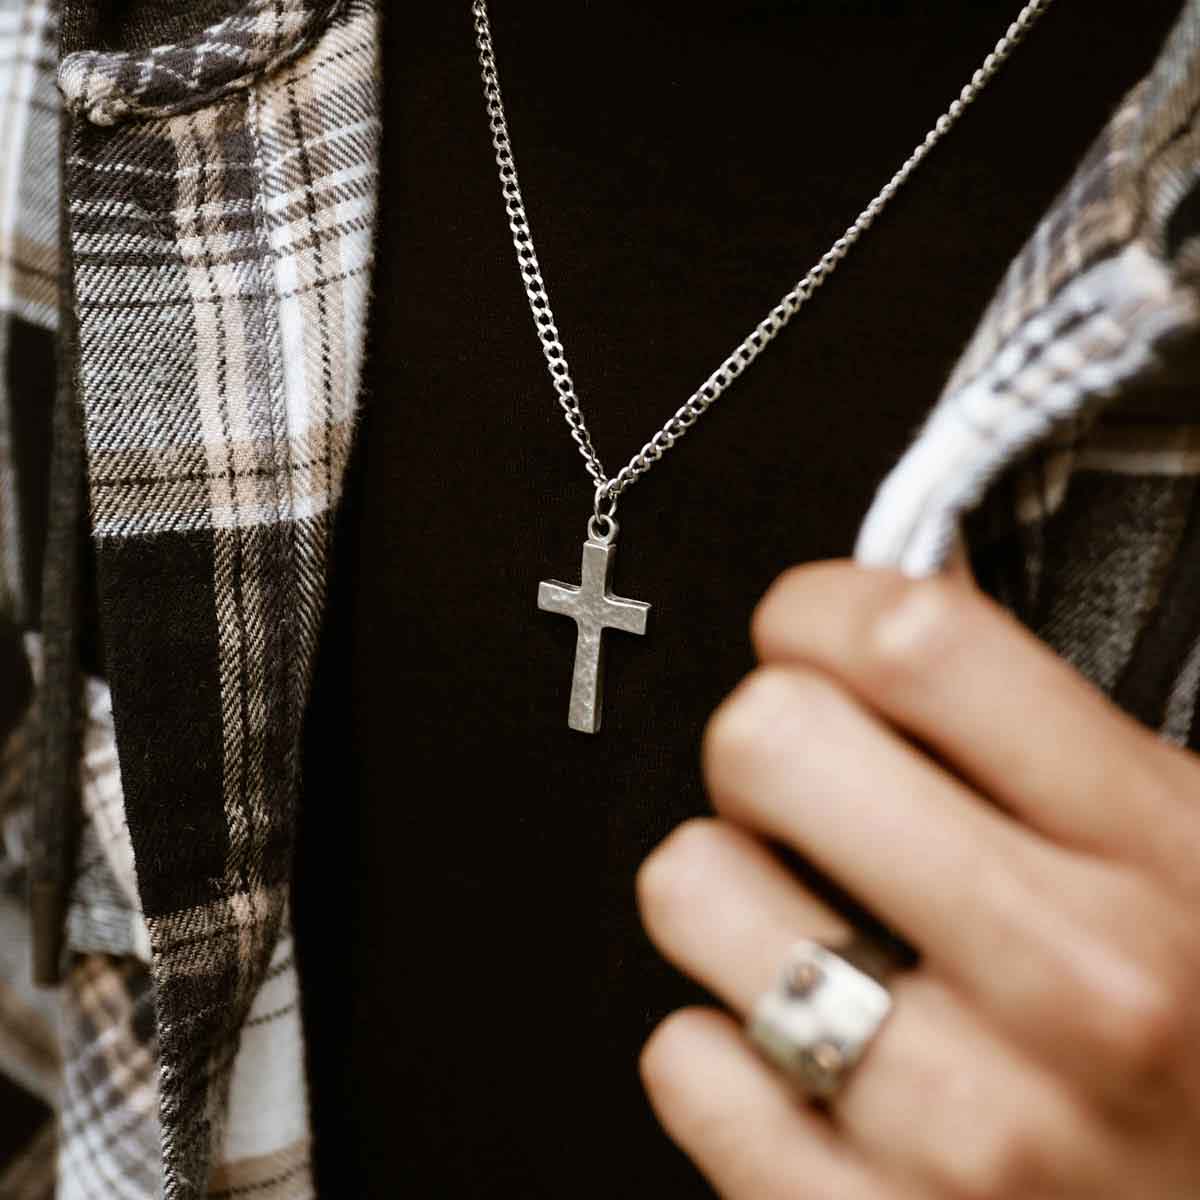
point(609, 489)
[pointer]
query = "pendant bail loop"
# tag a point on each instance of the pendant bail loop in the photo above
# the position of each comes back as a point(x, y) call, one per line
point(602, 529)
point(604, 504)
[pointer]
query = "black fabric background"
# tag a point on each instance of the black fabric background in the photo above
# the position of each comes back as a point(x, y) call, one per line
point(477, 983)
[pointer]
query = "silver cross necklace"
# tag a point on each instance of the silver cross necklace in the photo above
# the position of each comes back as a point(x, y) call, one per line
point(592, 605)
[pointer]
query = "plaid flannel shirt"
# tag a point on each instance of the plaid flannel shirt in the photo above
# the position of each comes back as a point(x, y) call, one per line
point(219, 200)
point(219, 192)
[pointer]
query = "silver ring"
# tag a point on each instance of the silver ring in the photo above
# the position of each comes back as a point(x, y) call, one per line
point(823, 1013)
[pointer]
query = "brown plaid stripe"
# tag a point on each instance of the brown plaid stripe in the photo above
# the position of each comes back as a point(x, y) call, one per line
point(268, 1177)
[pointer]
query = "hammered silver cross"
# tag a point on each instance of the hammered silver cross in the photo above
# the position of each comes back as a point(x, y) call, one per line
point(594, 609)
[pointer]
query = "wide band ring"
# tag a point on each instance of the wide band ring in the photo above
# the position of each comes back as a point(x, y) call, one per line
point(824, 1011)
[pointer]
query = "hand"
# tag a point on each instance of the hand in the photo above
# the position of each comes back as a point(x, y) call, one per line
point(1041, 851)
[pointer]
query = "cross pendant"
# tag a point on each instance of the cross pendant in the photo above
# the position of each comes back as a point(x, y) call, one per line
point(594, 609)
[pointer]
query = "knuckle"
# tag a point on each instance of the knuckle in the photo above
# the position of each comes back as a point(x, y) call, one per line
point(759, 723)
point(1115, 981)
point(1137, 1026)
point(680, 870)
point(1001, 1163)
point(739, 732)
point(769, 622)
point(1125, 986)
point(918, 626)
point(667, 1052)
point(1166, 780)
point(696, 1114)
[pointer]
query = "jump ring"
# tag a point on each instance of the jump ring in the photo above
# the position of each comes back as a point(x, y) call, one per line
point(602, 528)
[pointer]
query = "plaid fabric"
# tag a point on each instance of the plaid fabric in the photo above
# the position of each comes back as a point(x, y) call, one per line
point(28, 238)
point(77, 1049)
point(222, 248)
point(109, 1133)
point(29, 1050)
point(1072, 417)
point(253, 41)
point(221, 271)
point(105, 915)
point(30, 1054)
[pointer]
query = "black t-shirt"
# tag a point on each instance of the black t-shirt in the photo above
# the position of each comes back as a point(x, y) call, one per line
point(478, 982)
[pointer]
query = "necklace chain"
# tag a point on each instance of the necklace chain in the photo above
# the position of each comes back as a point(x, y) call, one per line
point(609, 489)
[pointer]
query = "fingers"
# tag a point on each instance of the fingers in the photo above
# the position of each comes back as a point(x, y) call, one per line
point(740, 1124)
point(1080, 946)
point(943, 1101)
point(793, 756)
point(720, 906)
point(893, 734)
point(723, 909)
point(948, 666)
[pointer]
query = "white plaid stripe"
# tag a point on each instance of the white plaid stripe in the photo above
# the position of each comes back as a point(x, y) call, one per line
point(103, 803)
point(105, 914)
point(266, 1145)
